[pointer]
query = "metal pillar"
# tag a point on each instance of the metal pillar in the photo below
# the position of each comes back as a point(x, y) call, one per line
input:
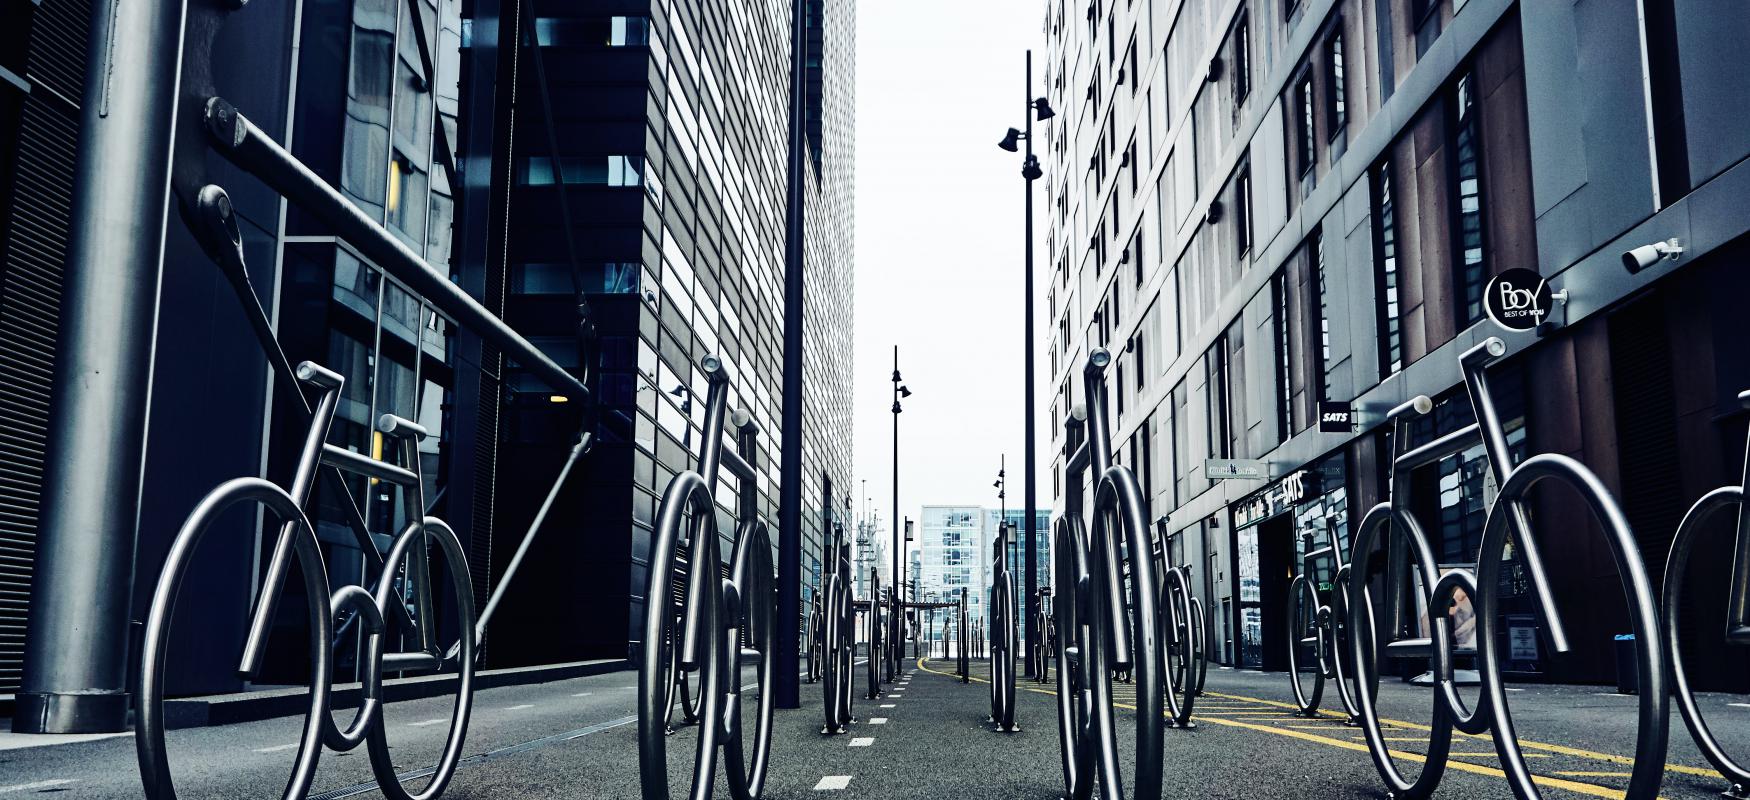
point(76, 657)
point(1030, 524)
point(789, 689)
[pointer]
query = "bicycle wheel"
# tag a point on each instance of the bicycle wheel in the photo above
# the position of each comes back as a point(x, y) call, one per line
point(1676, 575)
point(1381, 523)
point(1002, 663)
point(1200, 640)
point(1651, 732)
point(751, 571)
point(872, 629)
point(1181, 690)
point(414, 544)
point(149, 746)
point(1339, 649)
point(1305, 646)
point(1119, 523)
point(680, 693)
point(686, 504)
point(1075, 702)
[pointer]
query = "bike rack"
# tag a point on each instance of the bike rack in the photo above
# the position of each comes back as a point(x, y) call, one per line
point(1095, 637)
point(1046, 625)
point(1003, 613)
point(401, 604)
point(1324, 627)
point(716, 615)
point(1737, 614)
point(839, 648)
point(1409, 549)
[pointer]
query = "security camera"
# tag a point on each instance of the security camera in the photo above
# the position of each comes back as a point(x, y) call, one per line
point(1647, 255)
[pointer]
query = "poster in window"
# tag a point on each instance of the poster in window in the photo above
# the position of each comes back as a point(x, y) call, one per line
point(1462, 615)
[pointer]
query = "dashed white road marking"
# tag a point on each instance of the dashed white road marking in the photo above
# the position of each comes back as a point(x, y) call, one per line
point(877, 720)
point(888, 705)
point(520, 707)
point(581, 694)
point(862, 741)
point(276, 748)
point(36, 785)
point(833, 783)
point(427, 722)
point(1739, 705)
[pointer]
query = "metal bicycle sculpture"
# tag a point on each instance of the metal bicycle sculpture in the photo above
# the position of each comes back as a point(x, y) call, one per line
point(838, 639)
point(1095, 634)
point(1004, 637)
point(1390, 524)
point(1737, 630)
point(1312, 623)
point(963, 643)
point(400, 609)
point(1045, 624)
point(718, 614)
point(815, 638)
point(1184, 637)
point(873, 628)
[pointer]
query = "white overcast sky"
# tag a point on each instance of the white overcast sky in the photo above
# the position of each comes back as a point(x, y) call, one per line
point(938, 250)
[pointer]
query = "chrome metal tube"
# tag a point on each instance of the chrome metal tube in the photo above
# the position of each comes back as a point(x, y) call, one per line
point(247, 146)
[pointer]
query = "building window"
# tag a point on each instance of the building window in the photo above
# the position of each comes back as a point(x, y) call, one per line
point(1281, 320)
point(1336, 96)
point(1241, 56)
point(1467, 198)
point(1303, 103)
point(593, 32)
point(590, 170)
point(1243, 210)
point(1322, 375)
point(1385, 257)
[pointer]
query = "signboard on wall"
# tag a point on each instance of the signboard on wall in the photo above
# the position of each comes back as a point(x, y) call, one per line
point(1218, 469)
point(1272, 501)
point(1518, 299)
point(1335, 417)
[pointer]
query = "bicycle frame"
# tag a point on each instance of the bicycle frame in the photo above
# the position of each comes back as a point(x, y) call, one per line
point(712, 621)
point(1507, 517)
point(1114, 640)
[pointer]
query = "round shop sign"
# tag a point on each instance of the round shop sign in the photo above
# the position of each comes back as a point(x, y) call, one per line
point(1518, 299)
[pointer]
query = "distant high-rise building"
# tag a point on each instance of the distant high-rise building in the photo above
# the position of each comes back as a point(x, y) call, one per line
point(956, 549)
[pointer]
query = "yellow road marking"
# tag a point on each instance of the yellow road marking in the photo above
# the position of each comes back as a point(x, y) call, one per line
point(1523, 743)
point(1462, 766)
point(1598, 774)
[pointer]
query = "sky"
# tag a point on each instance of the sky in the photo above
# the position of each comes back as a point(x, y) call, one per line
point(939, 258)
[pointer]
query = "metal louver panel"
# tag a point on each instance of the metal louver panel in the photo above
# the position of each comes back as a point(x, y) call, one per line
point(37, 204)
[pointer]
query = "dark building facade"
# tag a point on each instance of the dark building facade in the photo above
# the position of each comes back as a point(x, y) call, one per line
point(1265, 205)
point(659, 200)
point(670, 122)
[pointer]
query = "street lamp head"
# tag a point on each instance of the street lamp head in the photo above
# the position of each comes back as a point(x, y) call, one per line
point(680, 390)
point(1030, 169)
point(904, 392)
point(1043, 108)
point(896, 408)
point(1011, 141)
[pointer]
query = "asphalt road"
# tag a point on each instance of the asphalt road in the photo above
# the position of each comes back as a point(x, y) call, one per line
point(927, 738)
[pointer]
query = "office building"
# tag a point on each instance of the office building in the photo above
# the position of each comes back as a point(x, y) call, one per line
point(1265, 207)
point(673, 159)
point(663, 207)
point(956, 549)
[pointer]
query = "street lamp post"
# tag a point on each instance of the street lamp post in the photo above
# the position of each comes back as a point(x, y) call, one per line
point(1030, 172)
point(899, 391)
